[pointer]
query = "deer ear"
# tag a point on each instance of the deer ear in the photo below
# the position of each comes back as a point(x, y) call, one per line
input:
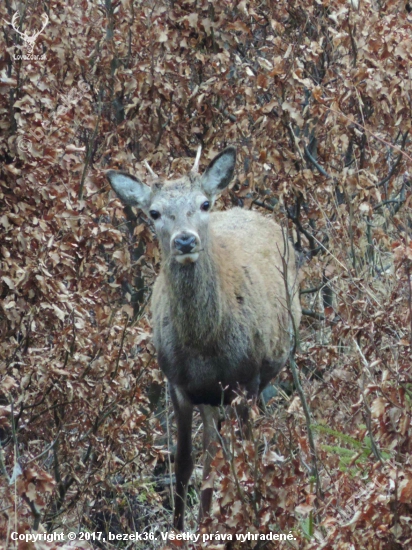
point(129, 189)
point(219, 172)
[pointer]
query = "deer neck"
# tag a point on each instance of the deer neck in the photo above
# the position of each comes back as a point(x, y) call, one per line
point(195, 297)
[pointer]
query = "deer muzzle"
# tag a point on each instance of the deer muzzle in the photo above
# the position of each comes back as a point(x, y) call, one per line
point(185, 247)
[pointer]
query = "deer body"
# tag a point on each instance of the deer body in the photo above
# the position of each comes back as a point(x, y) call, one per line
point(220, 322)
point(222, 317)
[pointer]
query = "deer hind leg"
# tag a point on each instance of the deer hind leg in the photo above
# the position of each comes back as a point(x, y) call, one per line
point(183, 459)
point(210, 417)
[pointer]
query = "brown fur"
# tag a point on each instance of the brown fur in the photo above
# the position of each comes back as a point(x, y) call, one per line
point(223, 321)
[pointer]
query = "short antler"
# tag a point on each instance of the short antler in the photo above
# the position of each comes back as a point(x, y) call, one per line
point(149, 169)
point(195, 168)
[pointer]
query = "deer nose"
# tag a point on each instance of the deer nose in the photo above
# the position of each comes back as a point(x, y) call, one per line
point(185, 243)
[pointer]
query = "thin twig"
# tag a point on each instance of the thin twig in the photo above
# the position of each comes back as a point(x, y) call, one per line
point(314, 314)
point(34, 511)
point(296, 378)
point(3, 469)
point(394, 147)
point(296, 220)
point(396, 163)
point(295, 140)
point(114, 373)
point(99, 420)
point(315, 163)
point(353, 44)
point(49, 448)
point(90, 147)
point(374, 447)
point(408, 272)
point(384, 203)
point(311, 290)
point(263, 205)
point(168, 447)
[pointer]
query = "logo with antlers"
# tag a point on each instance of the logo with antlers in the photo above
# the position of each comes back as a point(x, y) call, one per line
point(28, 40)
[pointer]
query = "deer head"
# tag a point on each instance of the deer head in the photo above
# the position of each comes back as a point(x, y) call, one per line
point(179, 208)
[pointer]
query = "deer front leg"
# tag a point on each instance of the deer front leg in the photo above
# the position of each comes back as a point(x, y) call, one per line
point(210, 417)
point(183, 459)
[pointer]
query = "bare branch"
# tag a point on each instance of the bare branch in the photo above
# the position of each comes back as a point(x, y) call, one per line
point(311, 290)
point(114, 373)
point(394, 168)
point(263, 205)
point(394, 147)
point(384, 203)
point(296, 220)
point(374, 446)
point(314, 314)
point(298, 385)
point(315, 163)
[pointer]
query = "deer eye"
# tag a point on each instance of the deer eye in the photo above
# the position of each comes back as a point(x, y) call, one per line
point(205, 206)
point(154, 214)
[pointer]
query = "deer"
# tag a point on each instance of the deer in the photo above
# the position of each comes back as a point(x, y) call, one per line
point(225, 304)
